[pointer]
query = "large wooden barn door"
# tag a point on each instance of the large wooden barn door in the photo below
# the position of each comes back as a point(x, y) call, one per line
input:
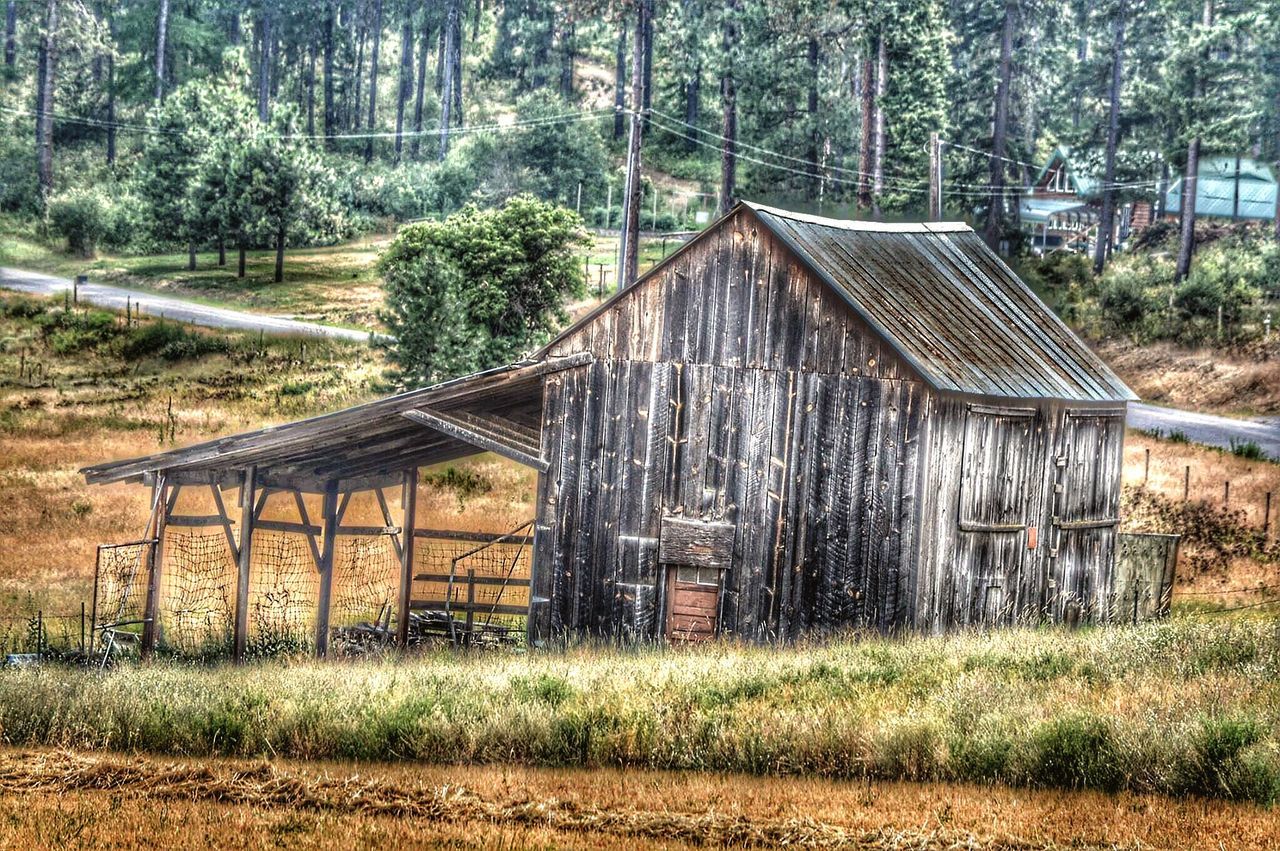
point(997, 535)
point(1086, 512)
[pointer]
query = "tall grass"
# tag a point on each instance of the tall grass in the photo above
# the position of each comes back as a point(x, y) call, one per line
point(1181, 707)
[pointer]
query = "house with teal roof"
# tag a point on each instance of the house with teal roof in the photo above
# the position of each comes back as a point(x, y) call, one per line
point(1061, 207)
point(1229, 187)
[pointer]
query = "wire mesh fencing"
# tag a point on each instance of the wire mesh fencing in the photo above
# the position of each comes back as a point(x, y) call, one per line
point(284, 587)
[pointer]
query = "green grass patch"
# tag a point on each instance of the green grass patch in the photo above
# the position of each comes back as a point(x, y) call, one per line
point(1182, 707)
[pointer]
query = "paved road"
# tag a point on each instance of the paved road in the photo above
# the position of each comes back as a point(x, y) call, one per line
point(172, 308)
point(1207, 428)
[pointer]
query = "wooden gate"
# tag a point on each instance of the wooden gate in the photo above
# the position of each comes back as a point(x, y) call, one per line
point(1085, 514)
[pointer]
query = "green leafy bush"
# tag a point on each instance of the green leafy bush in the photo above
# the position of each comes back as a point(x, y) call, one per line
point(169, 341)
point(82, 217)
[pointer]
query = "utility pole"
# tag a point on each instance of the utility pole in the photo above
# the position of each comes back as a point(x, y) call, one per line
point(629, 244)
point(935, 177)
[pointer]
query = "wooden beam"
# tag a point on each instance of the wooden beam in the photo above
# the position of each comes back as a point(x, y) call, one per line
point(151, 611)
point(386, 518)
point(326, 568)
point(241, 634)
point(434, 420)
point(226, 521)
point(409, 507)
point(306, 521)
point(307, 529)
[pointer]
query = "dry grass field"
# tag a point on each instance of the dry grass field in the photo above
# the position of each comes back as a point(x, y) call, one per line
point(63, 799)
point(1240, 382)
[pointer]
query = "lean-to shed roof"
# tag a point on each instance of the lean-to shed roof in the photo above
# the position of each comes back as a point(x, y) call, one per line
point(950, 307)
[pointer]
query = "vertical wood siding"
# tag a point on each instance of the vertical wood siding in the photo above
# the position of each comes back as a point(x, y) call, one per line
point(735, 388)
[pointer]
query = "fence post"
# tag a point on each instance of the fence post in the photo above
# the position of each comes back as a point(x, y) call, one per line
point(75, 287)
point(1186, 483)
point(82, 627)
point(40, 635)
point(1226, 493)
point(1146, 468)
point(471, 603)
point(1266, 516)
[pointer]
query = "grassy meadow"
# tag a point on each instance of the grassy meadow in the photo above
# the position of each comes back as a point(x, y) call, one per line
point(1183, 707)
point(334, 285)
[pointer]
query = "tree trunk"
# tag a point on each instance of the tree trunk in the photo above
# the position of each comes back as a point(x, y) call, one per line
point(222, 249)
point(191, 255)
point(358, 84)
point(629, 245)
point(568, 56)
point(329, 117)
point(877, 160)
point(111, 90)
point(1107, 224)
point(1191, 182)
point(456, 114)
point(48, 66)
point(311, 89)
point(240, 249)
point(815, 165)
point(729, 100)
point(11, 34)
point(373, 78)
point(620, 83)
point(264, 68)
point(1190, 187)
point(1082, 56)
point(406, 79)
point(866, 106)
point(424, 42)
point(995, 212)
point(162, 37)
point(648, 64)
point(446, 83)
point(279, 277)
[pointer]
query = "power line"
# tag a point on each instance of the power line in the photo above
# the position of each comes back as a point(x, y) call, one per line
point(562, 118)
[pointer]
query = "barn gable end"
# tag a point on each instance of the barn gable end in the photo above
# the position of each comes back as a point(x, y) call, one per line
point(735, 296)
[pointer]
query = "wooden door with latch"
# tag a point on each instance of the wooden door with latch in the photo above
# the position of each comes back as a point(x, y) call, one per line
point(1086, 513)
point(997, 534)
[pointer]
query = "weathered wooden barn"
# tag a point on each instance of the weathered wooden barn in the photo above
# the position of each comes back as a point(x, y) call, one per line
point(792, 425)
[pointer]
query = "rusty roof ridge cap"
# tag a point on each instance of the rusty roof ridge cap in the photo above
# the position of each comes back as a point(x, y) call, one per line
point(858, 225)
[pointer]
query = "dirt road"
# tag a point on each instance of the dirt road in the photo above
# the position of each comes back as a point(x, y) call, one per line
point(180, 310)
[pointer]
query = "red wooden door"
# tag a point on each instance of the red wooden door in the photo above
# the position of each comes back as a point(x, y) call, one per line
point(693, 603)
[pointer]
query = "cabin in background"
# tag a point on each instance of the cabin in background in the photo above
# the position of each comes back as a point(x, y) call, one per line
point(1236, 188)
point(792, 425)
point(1062, 208)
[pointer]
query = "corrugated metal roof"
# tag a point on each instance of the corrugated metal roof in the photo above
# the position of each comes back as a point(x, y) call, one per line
point(1216, 190)
point(1043, 209)
point(950, 307)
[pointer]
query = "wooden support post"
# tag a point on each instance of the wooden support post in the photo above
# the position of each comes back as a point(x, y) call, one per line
point(409, 509)
point(1266, 516)
point(151, 614)
point(248, 496)
point(326, 567)
point(935, 178)
point(1146, 468)
point(1226, 493)
point(1186, 483)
